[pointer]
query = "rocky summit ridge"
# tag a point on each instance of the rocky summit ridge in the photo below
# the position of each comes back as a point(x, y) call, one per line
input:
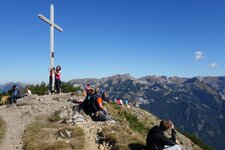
point(42, 117)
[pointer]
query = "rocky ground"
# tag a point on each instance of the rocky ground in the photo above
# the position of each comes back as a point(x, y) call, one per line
point(29, 109)
point(40, 108)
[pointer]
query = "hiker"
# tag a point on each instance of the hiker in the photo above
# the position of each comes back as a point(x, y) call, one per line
point(156, 140)
point(86, 104)
point(57, 79)
point(126, 102)
point(104, 95)
point(88, 87)
point(28, 91)
point(15, 94)
point(99, 113)
point(120, 102)
point(52, 70)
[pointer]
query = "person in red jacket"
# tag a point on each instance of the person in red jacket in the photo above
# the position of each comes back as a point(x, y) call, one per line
point(156, 140)
point(57, 79)
point(51, 79)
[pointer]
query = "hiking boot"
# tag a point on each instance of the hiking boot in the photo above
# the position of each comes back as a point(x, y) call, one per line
point(111, 121)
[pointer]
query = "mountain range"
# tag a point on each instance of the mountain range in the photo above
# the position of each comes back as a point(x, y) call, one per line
point(196, 105)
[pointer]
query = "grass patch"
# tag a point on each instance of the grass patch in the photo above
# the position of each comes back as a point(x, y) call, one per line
point(139, 123)
point(58, 145)
point(134, 123)
point(2, 129)
point(197, 141)
point(55, 116)
point(121, 137)
point(128, 116)
point(129, 134)
point(77, 136)
point(52, 137)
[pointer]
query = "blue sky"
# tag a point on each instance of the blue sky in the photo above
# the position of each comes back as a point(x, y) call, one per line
point(106, 37)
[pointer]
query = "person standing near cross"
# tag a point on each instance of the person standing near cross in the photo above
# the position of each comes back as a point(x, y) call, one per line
point(52, 26)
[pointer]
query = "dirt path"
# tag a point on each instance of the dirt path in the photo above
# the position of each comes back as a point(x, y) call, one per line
point(18, 117)
point(14, 130)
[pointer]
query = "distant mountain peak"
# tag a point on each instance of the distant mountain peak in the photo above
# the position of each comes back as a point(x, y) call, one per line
point(122, 77)
point(200, 99)
point(194, 79)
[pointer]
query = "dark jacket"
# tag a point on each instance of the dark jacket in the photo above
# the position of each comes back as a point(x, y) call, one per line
point(94, 104)
point(156, 140)
point(86, 105)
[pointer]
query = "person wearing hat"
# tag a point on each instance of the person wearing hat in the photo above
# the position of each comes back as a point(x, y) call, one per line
point(156, 140)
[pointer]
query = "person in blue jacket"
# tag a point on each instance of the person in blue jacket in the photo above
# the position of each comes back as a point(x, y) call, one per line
point(15, 94)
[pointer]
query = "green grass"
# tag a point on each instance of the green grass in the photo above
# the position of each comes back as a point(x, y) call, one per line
point(128, 116)
point(133, 121)
point(197, 141)
point(121, 137)
point(130, 132)
point(2, 129)
point(55, 116)
point(46, 137)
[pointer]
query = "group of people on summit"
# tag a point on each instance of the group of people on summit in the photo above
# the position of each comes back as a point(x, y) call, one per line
point(16, 94)
point(156, 139)
point(93, 106)
point(57, 72)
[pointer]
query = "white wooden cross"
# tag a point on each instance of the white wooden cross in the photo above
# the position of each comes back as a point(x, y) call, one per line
point(52, 26)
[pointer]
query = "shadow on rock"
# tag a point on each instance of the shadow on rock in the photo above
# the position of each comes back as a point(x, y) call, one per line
point(136, 146)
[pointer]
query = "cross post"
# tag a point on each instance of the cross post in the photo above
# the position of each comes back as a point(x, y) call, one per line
point(52, 26)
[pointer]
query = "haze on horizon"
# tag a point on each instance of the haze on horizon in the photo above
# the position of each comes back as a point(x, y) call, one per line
point(104, 38)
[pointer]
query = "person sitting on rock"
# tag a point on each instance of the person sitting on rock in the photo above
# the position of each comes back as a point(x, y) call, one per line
point(28, 91)
point(88, 87)
point(103, 95)
point(86, 104)
point(126, 102)
point(120, 102)
point(15, 94)
point(156, 140)
point(99, 112)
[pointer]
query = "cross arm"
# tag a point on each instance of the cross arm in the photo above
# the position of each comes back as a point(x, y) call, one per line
point(49, 22)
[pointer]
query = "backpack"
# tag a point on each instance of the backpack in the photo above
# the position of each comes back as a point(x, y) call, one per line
point(86, 105)
point(101, 116)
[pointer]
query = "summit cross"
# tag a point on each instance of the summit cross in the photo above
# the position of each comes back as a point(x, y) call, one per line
point(52, 26)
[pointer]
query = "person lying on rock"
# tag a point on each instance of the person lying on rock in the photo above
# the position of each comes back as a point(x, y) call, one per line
point(156, 140)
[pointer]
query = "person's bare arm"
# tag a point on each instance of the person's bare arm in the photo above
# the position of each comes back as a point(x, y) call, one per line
point(173, 132)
